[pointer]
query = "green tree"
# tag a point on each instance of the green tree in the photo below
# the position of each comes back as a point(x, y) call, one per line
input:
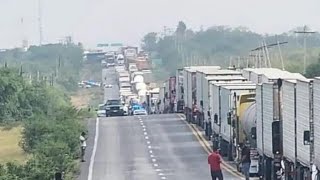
point(149, 42)
point(313, 70)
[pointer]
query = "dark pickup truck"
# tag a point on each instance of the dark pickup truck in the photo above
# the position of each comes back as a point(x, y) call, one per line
point(114, 107)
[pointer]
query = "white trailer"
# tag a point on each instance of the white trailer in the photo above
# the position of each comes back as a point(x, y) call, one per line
point(304, 105)
point(316, 120)
point(215, 100)
point(289, 120)
point(201, 81)
point(179, 91)
point(161, 98)
point(189, 84)
point(207, 91)
point(229, 100)
point(201, 74)
point(262, 75)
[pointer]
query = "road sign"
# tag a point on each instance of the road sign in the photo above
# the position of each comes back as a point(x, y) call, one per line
point(103, 45)
point(116, 44)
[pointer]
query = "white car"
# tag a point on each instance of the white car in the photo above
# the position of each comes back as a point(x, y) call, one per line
point(101, 111)
point(140, 112)
point(108, 86)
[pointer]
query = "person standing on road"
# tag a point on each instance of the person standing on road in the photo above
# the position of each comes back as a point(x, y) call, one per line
point(83, 145)
point(214, 161)
point(246, 161)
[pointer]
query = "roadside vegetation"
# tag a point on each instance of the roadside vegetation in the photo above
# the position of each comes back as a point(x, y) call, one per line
point(40, 127)
point(223, 45)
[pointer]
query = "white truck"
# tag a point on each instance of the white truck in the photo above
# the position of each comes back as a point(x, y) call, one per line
point(120, 60)
point(275, 112)
point(202, 86)
point(189, 86)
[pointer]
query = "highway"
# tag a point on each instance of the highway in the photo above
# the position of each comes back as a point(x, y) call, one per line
point(152, 147)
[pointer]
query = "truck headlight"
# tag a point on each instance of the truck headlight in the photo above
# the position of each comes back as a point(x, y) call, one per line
point(121, 108)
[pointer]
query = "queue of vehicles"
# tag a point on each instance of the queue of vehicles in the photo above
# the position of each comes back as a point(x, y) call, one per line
point(272, 111)
point(136, 98)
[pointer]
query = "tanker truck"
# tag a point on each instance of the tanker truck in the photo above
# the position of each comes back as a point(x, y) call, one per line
point(246, 131)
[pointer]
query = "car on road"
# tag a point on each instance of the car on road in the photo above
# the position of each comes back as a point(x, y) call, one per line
point(114, 107)
point(108, 86)
point(101, 111)
point(140, 111)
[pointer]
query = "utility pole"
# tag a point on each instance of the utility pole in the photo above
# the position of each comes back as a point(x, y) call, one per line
point(264, 49)
point(305, 32)
point(40, 22)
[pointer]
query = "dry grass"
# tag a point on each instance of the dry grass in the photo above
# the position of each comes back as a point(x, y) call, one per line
point(87, 97)
point(9, 145)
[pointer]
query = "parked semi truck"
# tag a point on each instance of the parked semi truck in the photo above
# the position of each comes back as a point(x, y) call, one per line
point(189, 86)
point(272, 111)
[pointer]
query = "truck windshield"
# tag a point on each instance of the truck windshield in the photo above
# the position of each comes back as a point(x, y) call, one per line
point(113, 102)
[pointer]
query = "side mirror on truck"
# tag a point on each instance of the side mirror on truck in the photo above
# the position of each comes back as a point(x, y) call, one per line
point(306, 138)
point(254, 133)
point(229, 118)
point(215, 118)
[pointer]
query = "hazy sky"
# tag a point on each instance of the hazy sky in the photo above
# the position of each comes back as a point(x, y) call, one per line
point(126, 21)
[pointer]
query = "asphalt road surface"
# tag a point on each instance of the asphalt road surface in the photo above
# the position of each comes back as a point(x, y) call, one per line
point(152, 147)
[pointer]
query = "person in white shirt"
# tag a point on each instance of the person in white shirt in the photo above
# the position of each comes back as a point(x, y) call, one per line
point(83, 145)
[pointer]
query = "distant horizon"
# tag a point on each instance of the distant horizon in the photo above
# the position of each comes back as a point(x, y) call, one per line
point(138, 44)
point(104, 21)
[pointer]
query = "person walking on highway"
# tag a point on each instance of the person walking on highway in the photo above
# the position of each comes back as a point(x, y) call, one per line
point(214, 161)
point(246, 161)
point(83, 144)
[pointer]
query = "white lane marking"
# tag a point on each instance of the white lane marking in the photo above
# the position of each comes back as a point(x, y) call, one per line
point(153, 160)
point(145, 133)
point(96, 137)
point(163, 177)
point(158, 170)
point(151, 155)
point(149, 147)
point(160, 174)
point(150, 151)
point(155, 165)
point(144, 129)
point(144, 126)
point(148, 142)
point(146, 137)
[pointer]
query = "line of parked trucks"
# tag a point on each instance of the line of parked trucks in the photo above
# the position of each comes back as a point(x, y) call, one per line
point(274, 112)
point(131, 77)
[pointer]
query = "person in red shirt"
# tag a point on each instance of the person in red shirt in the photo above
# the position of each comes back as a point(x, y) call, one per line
point(214, 161)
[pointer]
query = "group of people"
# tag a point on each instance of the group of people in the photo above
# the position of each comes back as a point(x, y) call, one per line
point(214, 160)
